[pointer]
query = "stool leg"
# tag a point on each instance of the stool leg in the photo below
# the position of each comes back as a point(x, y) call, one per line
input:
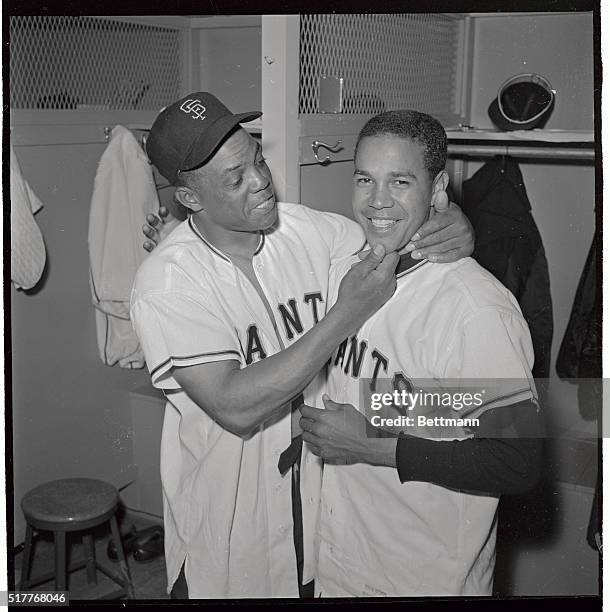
point(60, 560)
point(27, 554)
point(116, 534)
point(89, 547)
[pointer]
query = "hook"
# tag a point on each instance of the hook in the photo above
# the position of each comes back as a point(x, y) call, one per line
point(503, 157)
point(316, 144)
point(107, 132)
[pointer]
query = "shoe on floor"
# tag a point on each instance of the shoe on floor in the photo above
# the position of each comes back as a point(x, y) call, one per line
point(134, 540)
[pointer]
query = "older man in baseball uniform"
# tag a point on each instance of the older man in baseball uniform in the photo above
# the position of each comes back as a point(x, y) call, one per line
point(228, 310)
point(415, 515)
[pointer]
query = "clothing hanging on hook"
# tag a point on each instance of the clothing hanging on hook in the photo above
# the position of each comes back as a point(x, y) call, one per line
point(509, 245)
point(133, 128)
point(124, 193)
point(141, 139)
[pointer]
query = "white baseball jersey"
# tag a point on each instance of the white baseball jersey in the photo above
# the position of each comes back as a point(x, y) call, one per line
point(227, 509)
point(377, 536)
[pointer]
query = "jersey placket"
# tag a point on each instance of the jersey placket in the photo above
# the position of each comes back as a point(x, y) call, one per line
point(282, 493)
point(278, 492)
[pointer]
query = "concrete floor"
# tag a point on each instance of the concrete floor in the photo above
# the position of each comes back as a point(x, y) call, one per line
point(149, 579)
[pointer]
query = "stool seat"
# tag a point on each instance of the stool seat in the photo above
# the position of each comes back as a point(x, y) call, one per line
point(69, 502)
point(70, 505)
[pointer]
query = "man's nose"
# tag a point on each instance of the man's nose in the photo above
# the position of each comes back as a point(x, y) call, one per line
point(260, 179)
point(381, 198)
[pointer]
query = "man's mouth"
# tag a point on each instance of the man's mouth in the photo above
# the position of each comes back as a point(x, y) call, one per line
point(383, 225)
point(267, 204)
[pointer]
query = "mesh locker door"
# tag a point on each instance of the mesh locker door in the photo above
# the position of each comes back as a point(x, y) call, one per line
point(71, 62)
point(387, 61)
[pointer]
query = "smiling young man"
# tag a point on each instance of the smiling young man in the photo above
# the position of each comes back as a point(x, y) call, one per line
point(415, 515)
point(228, 310)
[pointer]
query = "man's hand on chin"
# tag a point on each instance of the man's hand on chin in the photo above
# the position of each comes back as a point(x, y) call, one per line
point(447, 236)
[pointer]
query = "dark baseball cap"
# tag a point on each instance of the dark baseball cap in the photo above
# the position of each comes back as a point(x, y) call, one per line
point(187, 133)
point(524, 102)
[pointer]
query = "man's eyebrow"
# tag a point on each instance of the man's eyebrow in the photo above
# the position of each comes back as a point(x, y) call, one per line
point(405, 173)
point(232, 169)
point(238, 166)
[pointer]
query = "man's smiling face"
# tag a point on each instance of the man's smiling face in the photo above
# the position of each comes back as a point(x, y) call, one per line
point(392, 189)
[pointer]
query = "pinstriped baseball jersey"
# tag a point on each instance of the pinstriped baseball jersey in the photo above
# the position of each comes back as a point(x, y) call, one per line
point(378, 537)
point(227, 509)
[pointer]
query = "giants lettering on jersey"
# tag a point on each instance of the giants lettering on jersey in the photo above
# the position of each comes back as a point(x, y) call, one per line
point(292, 322)
point(350, 357)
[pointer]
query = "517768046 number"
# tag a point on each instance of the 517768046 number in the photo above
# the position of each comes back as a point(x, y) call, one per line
point(35, 598)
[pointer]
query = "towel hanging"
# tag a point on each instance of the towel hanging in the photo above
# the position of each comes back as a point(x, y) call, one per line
point(28, 254)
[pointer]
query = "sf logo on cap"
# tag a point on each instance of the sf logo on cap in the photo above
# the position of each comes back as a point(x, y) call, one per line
point(193, 107)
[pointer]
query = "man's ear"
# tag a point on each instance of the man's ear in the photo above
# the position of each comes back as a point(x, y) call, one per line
point(188, 198)
point(441, 182)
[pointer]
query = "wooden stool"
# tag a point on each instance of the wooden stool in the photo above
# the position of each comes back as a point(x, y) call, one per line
point(73, 504)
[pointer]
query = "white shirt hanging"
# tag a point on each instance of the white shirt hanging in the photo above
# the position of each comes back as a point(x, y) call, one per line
point(124, 193)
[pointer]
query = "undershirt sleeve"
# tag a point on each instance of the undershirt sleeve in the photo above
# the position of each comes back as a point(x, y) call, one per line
point(480, 465)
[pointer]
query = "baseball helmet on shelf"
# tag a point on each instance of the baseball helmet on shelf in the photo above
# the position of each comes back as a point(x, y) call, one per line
point(524, 102)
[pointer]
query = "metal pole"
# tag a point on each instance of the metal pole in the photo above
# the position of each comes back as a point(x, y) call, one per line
point(520, 151)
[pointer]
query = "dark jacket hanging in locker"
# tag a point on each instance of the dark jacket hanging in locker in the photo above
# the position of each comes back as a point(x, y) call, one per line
point(508, 244)
point(580, 359)
point(580, 353)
